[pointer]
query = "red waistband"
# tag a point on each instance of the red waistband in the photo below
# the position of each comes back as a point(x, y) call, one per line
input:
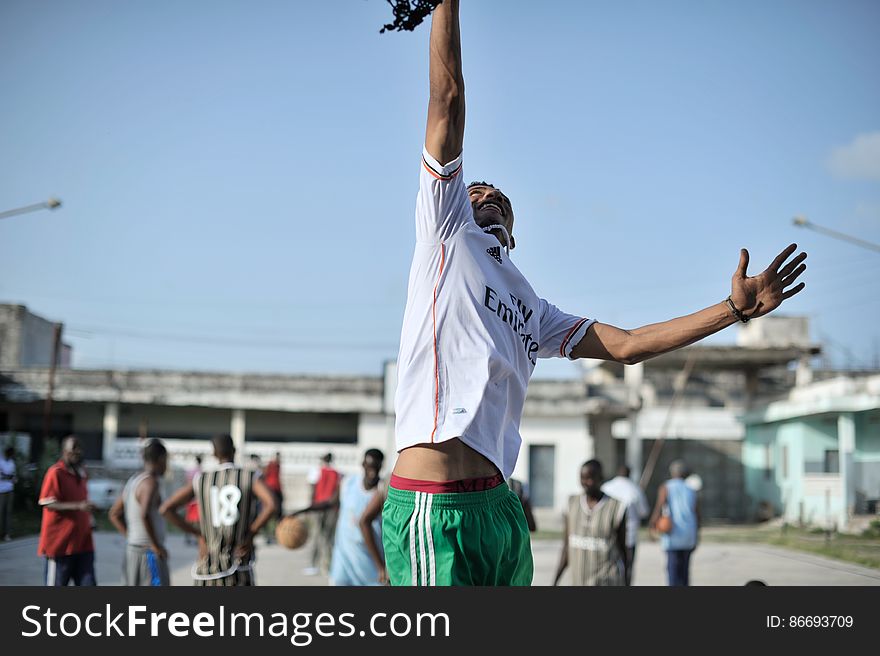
point(446, 487)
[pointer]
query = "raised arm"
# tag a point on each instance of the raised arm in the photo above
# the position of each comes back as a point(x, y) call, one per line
point(444, 134)
point(752, 296)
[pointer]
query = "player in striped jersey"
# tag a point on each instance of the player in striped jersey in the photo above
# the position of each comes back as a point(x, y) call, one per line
point(227, 498)
point(595, 534)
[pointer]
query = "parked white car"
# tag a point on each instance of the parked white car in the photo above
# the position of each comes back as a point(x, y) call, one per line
point(104, 491)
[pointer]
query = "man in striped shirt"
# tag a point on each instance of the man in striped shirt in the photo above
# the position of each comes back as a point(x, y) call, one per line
point(594, 542)
point(227, 499)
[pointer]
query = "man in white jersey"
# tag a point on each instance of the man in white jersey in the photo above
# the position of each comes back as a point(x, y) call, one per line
point(624, 490)
point(472, 333)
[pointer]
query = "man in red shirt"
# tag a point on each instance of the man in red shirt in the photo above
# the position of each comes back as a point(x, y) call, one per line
point(272, 479)
point(66, 531)
point(326, 494)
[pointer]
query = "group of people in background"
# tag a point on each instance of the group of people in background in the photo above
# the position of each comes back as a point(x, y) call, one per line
point(601, 527)
point(222, 508)
point(226, 507)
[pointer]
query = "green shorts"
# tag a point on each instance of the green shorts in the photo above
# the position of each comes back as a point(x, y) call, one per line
point(465, 538)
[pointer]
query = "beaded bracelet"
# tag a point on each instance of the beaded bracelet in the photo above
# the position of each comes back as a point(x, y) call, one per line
point(737, 313)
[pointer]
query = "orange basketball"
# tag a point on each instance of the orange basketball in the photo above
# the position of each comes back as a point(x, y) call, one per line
point(664, 524)
point(292, 532)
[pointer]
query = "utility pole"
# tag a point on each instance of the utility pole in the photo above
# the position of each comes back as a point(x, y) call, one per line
point(37, 449)
point(678, 386)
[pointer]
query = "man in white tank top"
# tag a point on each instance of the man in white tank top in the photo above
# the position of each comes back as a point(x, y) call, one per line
point(136, 515)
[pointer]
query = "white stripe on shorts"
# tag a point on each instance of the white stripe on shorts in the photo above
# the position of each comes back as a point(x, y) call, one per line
point(432, 566)
point(412, 541)
point(422, 539)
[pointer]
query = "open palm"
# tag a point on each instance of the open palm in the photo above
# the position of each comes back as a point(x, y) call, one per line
point(758, 295)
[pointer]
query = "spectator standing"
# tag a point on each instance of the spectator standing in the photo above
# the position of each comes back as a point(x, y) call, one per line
point(680, 503)
point(521, 491)
point(357, 557)
point(191, 514)
point(325, 494)
point(595, 534)
point(623, 489)
point(7, 492)
point(66, 530)
point(135, 514)
point(272, 479)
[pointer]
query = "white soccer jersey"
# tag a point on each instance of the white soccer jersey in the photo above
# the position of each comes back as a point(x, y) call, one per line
point(472, 331)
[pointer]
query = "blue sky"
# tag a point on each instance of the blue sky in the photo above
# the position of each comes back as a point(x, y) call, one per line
point(239, 178)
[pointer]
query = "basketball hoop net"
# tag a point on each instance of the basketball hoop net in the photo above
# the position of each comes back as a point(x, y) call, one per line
point(408, 14)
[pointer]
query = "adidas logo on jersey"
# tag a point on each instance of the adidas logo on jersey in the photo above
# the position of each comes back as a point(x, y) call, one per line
point(495, 252)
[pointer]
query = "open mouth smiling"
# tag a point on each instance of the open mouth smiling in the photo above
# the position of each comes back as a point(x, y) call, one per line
point(492, 206)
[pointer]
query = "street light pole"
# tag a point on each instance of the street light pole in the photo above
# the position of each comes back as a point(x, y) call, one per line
point(803, 223)
point(51, 204)
point(37, 449)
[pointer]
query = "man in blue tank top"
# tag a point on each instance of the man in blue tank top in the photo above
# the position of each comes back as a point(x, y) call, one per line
point(677, 500)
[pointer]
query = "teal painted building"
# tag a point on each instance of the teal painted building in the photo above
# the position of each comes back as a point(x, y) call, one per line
point(814, 457)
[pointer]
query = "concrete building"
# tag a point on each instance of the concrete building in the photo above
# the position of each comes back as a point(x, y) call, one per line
point(813, 457)
point(303, 417)
point(27, 340)
point(689, 403)
point(617, 414)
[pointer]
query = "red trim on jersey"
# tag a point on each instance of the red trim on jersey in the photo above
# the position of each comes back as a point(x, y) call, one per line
point(446, 487)
point(568, 336)
point(439, 175)
point(436, 357)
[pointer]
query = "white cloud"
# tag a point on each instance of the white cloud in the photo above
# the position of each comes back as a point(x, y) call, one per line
point(858, 160)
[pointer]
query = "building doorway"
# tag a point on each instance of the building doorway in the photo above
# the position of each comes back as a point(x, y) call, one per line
point(542, 474)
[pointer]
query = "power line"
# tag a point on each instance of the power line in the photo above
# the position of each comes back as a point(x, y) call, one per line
point(235, 341)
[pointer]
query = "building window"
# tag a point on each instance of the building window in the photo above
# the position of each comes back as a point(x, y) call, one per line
point(768, 461)
point(832, 461)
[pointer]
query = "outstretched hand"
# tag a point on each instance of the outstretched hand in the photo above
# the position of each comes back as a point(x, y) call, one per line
point(756, 296)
